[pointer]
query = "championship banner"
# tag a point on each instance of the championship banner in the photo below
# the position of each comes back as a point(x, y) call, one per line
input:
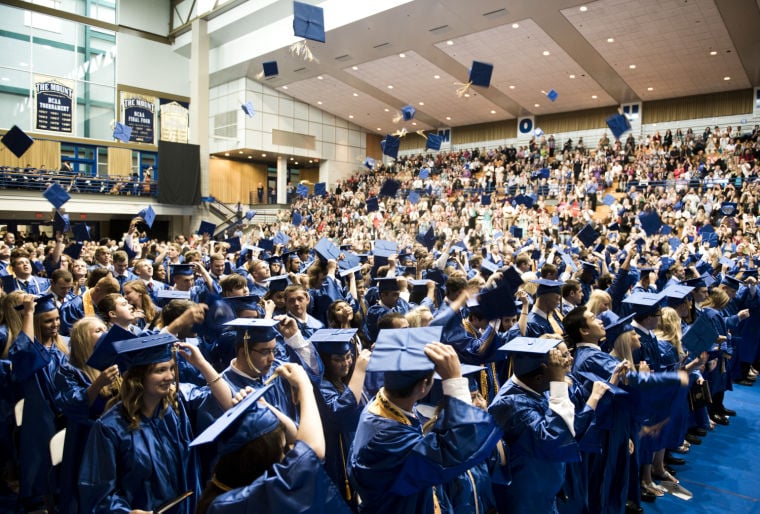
point(175, 121)
point(139, 112)
point(54, 102)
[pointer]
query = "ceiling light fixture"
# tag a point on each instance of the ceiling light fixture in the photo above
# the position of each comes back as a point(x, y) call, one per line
point(511, 87)
point(319, 102)
point(449, 42)
point(402, 55)
point(284, 87)
point(536, 105)
point(493, 111)
point(610, 39)
point(390, 86)
point(583, 8)
point(356, 94)
point(320, 77)
point(350, 116)
point(421, 103)
point(355, 68)
point(436, 77)
point(546, 52)
point(632, 66)
point(515, 25)
point(726, 78)
point(713, 53)
point(448, 118)
point(593, 97)
point(650, 89)
point(226, 154)
point(572, 76)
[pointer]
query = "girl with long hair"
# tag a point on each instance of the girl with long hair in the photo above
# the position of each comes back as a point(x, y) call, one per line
point(136, 293)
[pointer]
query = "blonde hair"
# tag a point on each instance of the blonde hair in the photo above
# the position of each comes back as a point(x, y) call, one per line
point(146, 303)
point(669, 328)
point(596, 299)
point(414, 316)
point(717, 300)
point(621, 349)
point(12, 318)
point(58, 340)
point(529, 287)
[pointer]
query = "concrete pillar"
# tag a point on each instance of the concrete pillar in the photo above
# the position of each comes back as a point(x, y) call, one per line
point(199, 85)
point(282, 179)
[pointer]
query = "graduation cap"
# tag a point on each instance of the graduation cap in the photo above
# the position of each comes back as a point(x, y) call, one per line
point(413, 198)
point(81, 232)
point(494, 303)
point(248, 109)
point(608, 200)
point(320, 189)
point(326, 250)
point(56, 195)
point(407, 112)
point(676, 294)
point(372, 204)
point(516, 231)
point(529, 353)
point(433, 142)
point(485, 200)
point(480, 74)
point(234, 243)
point(236, 304)
point(512, 277)
point(181, 269)
point(148, 215)
point(308, 22)
point(704, 280)
point(333, 340)
point(427, 239)
point(302, 190)
point(711, 238)
point(588, 235)
point(436, 275)
point(104, 354)
point(278, 283)
point(618, 124)
point(296, 219)
point(61, 222)
point(74, 250)
point(400, 353)
point(122, 132)
point(17, 141)
point(525, 200)
point(546, 286)
point(650, 222)
point(281, 238)
point(732, 282)
point(387, 284)
point(390, 187)
point(254, 330)
point(552, 95)
point(206, 227)
point(644, 304)
point(243, 423)
point(617, 327)
point(269, 68)
point(568, 260)
point(390, 145)
point(728, 208)
point(344, 272)
point(369, 162)
point(424, 173)
point(700, 337)
point(488, 267)
point(266, 244)
point(250, 214)
point(141, 351)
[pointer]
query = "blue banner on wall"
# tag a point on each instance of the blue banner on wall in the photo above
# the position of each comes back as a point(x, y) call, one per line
point(54, 104)
point(139, 112)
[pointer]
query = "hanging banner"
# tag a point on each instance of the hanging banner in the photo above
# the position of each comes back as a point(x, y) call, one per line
point(54, 102)
point(175, 121)
point(139, 112)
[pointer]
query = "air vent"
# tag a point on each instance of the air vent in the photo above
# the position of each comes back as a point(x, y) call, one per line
point(381, 45)
point(344, 57)
point(442, 28)
point(299, 69)
point(497, 12)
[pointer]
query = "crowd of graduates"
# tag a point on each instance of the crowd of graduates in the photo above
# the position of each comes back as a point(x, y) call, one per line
point(539, 329)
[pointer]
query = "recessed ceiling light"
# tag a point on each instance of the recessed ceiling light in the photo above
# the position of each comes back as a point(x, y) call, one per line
point(515, 25)
point(319, 102)
point(593, 97)
point(632, 66)
point(295, 162)
point(378, 128)
point(284, 87)
point(263, 155)
point(610, 39)
point(250, 156)
point(583, 8)
point(650, 89)
point(291, 158)
point(422, 103)
point(436, 77)
point(356, 94)
point(350, 116)
point(449, 42)
point(467, 95)
point(5, 79)
point(390, 86)
point(536, 105)
point(572, 76)
point(355, 68)
point(713, 53)
point(448, 118)
point(402, 55)
point(320, 77)
point(726, 78)
point(387, 110)
point(414, 123)
point(240, 151)
point(546, 52)
point(310, 161)
point(226, 154)
point(511, 87)
point(493, 112)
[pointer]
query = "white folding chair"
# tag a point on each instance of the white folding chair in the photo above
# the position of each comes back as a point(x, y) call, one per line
point(18, 410)
point(56, 447)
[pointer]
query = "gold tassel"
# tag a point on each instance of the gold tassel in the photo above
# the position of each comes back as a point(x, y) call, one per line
point(422, 134)
point(301, 49)
point(398, 117)
point(464, 90)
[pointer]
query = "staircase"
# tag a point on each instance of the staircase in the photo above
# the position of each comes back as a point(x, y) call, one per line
point(229, 219)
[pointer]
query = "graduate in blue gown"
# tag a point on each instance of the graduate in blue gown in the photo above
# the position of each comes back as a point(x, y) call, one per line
point(37, 352)
point(540, 425)
point(137, 455)
point(264, 465)
point(396, 468)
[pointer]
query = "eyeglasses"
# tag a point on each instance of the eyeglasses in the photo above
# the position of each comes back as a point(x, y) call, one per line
point(266, 352)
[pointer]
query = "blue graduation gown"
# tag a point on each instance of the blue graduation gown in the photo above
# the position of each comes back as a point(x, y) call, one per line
point(376, 312)
point(395, 467)
point(33, 369)
point(124, 469)
point(297, 485)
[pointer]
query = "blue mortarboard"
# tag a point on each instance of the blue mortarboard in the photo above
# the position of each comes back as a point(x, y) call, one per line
point(485, 200)
point(588, 266)
point(369, 162)
point(644, 304)
point(618, 124)
point(704, 280)
point(676, 294)
point(333, 340)
point(270, 68)
point(666, 230)
point(487, 267)
point(278, 283)
point(248, 109)
point(254, 330)
point(344, 272)
point(122, 132)
point(552, 95)
point(61, 222)
point(588, 235)
point(236, 304)
point(608, 200)
point(749, 272)
point(250, 214)
point(525, 200)
point(327, 250)
point(281, 238)
point(700, 337)
point(568, 260)
point(296, 219)
point(711, 238)
point(674, 243)
point(433, 142)
point(424, 173)
point(529, 353)
point(82, 232)
point(436, 275)
point(234, 243)
point(149, 215)
point(56, 195)
point(74, 250)
point(400, 353)
point(17, 141)
point(308, 22)
point(427, 239)
point(413, 198)
point(390, 187)
point(243, 423)
point(480, 74)
point(42, 304)
point(516, 231)
point(494, 303)
point(407, 112)
point(728, 208)
point(140, 351)
point(650, 222)
point(266, 244)
point(390, 145)
point(320, 189)
point(181, 269)
point(372, 204)
point(617, 327)
point(302, 190)
point(512, 277)
point(387, 284)
point(732, 282)
point(206, 227)
point(104, 354)
point(546, 286)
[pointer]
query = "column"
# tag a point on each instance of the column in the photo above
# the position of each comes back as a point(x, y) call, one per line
point(199, 86)
point(282, 179)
